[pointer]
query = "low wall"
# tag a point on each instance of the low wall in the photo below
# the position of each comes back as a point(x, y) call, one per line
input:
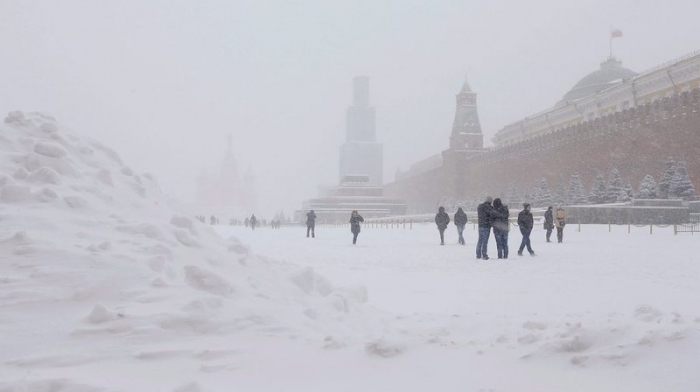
point(627, 214)
point(657, 202)
point(694, 206)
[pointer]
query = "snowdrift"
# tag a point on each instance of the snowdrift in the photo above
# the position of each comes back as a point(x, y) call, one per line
point(97, 269)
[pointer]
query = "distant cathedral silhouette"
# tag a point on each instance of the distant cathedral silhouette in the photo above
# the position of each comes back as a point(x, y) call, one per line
point(227, 191)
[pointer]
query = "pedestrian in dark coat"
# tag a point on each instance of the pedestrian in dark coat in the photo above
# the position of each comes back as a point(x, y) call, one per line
point(442, 220)
point(460, 222)
point(484, 219)
point(501, 227)
point(549, 222)
point(525, 222)
point(355, 219)
point(253, 222)
point(311, 224)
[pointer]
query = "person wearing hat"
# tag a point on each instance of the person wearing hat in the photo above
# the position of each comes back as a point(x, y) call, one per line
point(501, 227)
point(549, 222)
point(484, 219)
point(442, 220)
point(525, 222)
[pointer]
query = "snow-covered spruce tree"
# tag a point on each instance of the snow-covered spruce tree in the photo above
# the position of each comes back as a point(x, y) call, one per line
point(648, 189)
point(666, 178)
point(615, 187)
point(527, 198)
point(598, 190)
point(463, 203)
point(444, 202)
point(560, 194)
point(542, 197)
point(534, 197)
point(627, 193)
point(577, 193)
point(513, 197)
point(681, 187)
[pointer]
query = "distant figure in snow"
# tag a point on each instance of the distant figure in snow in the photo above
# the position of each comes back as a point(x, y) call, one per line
point(212, 220)
point(460, 222)
point(501, 227)
point(525, 222)
point(484, 218)
point(560, 222)
point(549, 222)
point(355, 219)
point(253, 222)
point(442, 220)
point(311, 224)
point(246, 221)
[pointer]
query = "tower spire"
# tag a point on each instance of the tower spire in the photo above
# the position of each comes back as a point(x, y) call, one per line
point(465, 86)
point(466, 129)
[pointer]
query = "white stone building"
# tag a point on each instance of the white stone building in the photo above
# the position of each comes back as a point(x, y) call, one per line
point(610, 89)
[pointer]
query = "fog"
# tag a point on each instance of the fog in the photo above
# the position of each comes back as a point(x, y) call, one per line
point(164, 82)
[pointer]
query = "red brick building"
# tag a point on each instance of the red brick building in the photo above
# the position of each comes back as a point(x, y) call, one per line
point(633, 133)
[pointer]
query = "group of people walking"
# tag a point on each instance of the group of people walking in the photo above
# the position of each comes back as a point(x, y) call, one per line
point(493, 214)
point(355, 219)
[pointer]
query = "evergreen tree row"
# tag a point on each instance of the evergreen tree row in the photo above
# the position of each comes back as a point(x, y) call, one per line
point(674, 184)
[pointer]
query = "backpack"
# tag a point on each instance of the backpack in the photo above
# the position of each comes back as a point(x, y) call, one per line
point(561, 219)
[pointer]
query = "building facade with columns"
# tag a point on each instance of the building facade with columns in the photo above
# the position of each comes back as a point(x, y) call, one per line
point(612, 88)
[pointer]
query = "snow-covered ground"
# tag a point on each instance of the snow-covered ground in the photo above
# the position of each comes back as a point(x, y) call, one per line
point(605, 311)
point(106, 287)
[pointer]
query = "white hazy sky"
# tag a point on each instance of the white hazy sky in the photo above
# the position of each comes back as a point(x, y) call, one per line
point(163, 82)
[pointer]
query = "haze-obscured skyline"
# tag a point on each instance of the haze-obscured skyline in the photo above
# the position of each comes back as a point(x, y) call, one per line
point(163, 83)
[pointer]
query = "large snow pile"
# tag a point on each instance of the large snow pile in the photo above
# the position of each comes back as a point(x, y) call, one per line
point(99, 274)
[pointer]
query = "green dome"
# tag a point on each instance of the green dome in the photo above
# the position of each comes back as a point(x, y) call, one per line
point(610, 73)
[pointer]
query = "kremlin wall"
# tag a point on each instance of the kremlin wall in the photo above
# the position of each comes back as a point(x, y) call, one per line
point(612, 118)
